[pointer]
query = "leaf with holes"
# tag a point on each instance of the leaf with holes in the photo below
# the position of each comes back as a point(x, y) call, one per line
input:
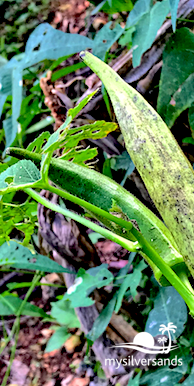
point(37, 145)
point(80, 156)
point(99, 129)
point(20, 175)
point(18, 256)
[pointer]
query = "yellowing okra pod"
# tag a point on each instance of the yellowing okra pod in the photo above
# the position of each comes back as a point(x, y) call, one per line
point(165, 170)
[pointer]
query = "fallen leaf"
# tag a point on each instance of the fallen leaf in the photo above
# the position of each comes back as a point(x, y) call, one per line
point(71, 343)
point(67, 380)
point(79, 382)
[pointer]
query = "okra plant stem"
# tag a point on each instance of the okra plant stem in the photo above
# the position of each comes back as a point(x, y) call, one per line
point(129, 245)
point(92, 208)
point(171, 276)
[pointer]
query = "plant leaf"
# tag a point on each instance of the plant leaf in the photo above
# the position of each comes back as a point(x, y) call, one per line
point(164, 376)
point(191, 116)
point(178, 64)
point(74, 112)
point(148, 27)
point(9, 305)
point(173, 10)
point(165, 311)
point(37, 144)
point(64, 314)
point(21, 217)
point(57, 339)
point(18, 256)
point(22, 174)
point(141, 8)
point(39, 46)
point(135, 381)
point(96, 130)
point(105, 38)
point(131, 281)
point(102, 321)
point(85, 283)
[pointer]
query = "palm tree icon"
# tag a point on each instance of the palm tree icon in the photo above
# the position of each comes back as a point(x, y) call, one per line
point(162, 340)
point(168, 328)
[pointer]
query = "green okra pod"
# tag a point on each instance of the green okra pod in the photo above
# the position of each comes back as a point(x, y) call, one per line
point(101, 191)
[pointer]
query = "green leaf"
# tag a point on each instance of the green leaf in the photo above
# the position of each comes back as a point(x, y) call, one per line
point(73, 112)
point(39, 47)
point(131, 281)
point(102, 321)
point(181, 100)
point(122, 161)
point(168, 307)
point(9, 305)
point(64, 314)
point(189, 381)
point(148, 27)
point(105, 38)
point(191, 116)
point(173, 10)
point(66, 70)
point(37, 145)
point(188, 140)
point(126, 38)
point(164, 376)
point(113, 6)
point(96, 130)
point(22, 174)
point(18, 256)
point(57, 339)
point(141, 8)
point(22, 217)
point(85, 283)
point(178, 64)
point(135, 381)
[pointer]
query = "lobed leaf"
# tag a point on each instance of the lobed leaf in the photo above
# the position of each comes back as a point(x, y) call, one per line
point(85, 283)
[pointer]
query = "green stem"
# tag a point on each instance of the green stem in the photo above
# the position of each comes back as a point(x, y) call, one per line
point(129, 245)
point(100, 212)
point(181, 19)
point(16, 327)
point(145, 247)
